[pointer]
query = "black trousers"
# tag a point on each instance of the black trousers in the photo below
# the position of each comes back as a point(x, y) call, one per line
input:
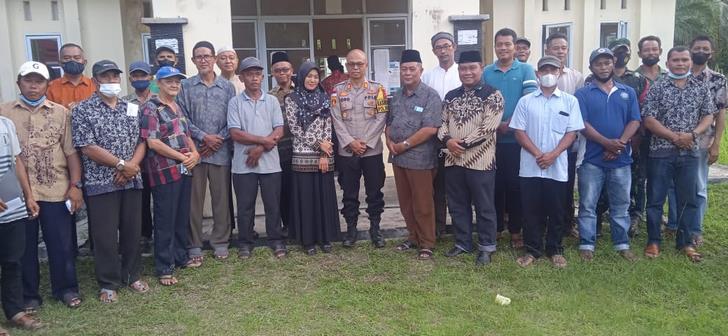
point(440, 198)
point(352, 169)
point(171, 225)
point(465, 188)
point(147, 225)
point(508, 186)
point(286, 191)
point(569, 221)
point(12, 247)
point(117, 222)
point(543, 210)
point(246, 192)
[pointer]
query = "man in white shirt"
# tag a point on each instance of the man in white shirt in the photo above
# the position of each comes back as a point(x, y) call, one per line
point(570, 80)
point(443, 78)
point(545, 124)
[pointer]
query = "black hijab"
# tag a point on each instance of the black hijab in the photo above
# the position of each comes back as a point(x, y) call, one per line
point(311, 103)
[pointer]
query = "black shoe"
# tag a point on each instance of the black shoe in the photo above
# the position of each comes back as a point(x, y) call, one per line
point(377, 239)
point(352, 234)
point(455, 251)
point(244, 253)
point(310, 251)
point(483, 258)
point(326, 248)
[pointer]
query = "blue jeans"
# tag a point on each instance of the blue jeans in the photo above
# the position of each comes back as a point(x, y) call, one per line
point(696, 229)
point(682, 172)
point(617, 181)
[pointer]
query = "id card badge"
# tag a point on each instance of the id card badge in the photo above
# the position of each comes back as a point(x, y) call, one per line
point(419, 109)
point(132, 110)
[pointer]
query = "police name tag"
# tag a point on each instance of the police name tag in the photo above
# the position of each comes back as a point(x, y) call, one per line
point(419, 109)
point(132, 110)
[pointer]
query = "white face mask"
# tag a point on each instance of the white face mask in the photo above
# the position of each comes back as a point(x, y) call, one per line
point(549, 80)
point(110, 90)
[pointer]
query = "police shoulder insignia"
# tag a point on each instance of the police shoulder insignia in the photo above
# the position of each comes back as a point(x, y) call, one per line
point(382, 104)
point(333, 99)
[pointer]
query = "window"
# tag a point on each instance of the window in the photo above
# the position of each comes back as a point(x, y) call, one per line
point(244, 41)
point(285, 7)
point(291, 37)
point(603, 4)
point(386, 6)
point(610, 31)
point(333, 7)
point(54, 10)
point(26, 10)
point(44, 49)
point(545, 5)
point(567, 4)
point(147, 9)
point(563, 28)
point(387, 40)
point(624, 4)
point(244, 7)
point(146, 47)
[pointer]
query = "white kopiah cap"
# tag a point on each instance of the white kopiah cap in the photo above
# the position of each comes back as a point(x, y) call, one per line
point(34, 67)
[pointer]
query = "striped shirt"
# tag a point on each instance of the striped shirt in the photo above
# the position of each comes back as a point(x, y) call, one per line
point(472, 116)
point(10, 191)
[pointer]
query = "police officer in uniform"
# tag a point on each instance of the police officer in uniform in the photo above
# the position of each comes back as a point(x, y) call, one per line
point(359, 109)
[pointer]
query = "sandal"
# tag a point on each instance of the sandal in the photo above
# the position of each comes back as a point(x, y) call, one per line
point(424, 254)
point(4, 332)
point(558, 261)
point(652, 251)
point(698, 240)
point(32, 307)
point(693, 254)
point(25, 321)
point(139, 287)
point(167, 280)
point(280, 253)
point(221, 255)
point(406, 245)
point(108, 296)
point(526, 260)
point(194, 262)
point(71, 300)
point(516, 240)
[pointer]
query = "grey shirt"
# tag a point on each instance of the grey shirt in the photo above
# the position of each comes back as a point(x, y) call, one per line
point(359, 114)
point(410, 113)
point(257, 117)
point(206, 109)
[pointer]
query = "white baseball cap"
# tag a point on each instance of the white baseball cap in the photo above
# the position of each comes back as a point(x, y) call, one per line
point(34, 67)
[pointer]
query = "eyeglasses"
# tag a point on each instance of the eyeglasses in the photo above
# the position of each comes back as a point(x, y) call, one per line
point(443, 47)
point(200, 58)
point(355, 65)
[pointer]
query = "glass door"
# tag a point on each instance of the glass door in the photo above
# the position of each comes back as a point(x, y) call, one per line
point(387, 39)
point(292, 36)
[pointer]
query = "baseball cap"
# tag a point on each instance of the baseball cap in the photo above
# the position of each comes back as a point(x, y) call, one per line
point(140, 66)
point(549, 60)
point(34, 67)
point(620, 42)
point(168, 71)
point(523, 40)
point(600, 52)
point(164, 48)
point(248, 63)
point(104, 66)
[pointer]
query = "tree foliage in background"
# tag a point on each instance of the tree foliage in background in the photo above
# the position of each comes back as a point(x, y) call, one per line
point(704, 17)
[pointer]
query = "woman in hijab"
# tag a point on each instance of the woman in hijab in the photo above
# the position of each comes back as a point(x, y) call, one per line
point(313, 200)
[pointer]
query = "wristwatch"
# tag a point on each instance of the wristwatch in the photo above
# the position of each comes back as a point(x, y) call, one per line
point(406, 144)
point(120, 165)
point(77, 184)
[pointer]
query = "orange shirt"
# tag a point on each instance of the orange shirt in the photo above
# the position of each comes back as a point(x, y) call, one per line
point(62, 91)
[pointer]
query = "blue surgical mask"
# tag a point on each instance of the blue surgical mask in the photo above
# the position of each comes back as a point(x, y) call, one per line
point(73, 67)
point(674, 76)
point(33, 103)
point(140, 84)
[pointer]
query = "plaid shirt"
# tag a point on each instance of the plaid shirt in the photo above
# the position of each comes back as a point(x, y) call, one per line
point(159, 121)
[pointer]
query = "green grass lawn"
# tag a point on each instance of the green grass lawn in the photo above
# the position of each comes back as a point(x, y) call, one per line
point(383, 292)
point(723, 158)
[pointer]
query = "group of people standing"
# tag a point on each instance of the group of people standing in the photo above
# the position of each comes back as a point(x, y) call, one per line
point(503, 139)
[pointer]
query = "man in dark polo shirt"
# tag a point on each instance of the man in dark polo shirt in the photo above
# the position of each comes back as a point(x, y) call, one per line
point(411, 124)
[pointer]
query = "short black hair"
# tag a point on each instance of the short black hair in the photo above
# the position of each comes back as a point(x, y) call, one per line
point(700, 38)
point(69, 45)
point(675, 49)
point(203, 44)
point(649, 38)
point(555, 36)
point(506, 32)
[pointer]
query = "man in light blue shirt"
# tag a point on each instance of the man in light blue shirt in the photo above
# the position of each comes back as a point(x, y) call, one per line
point(545, 124)
point(255, 122)
point(514, 80)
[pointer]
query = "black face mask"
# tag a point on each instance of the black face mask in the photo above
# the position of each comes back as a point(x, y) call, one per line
point(621, 60)
point(650, 61)
point(700, 58)
point(604, 80)
point(165, 62)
